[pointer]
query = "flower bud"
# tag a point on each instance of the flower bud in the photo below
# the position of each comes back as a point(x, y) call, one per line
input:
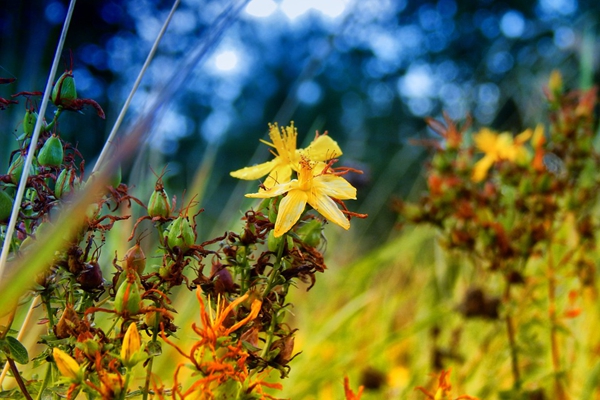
point(273, 242)
point(555, 83)
point(128, 297)
point(132, 342)
point(6, 205)
point(29, 121)
point(67, 365)
point(310, 232)
point(51, 154)
point(152, 319)
point(111, 385)
point(159, 206)
point(181, 234)
point(89, 347)
point(272, 211)
point(116, 177)
point(16, 169)
point(135, 259)
point(64, 90)
point(66, 183)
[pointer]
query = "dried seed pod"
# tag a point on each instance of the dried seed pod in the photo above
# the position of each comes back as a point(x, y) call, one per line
point(67, 324)
point(90, 278)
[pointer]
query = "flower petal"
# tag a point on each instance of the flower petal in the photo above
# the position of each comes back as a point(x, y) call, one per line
point(485, 140)
point(66, 364)
point(481, 168)
point(328, 208)
point(291, 208)
point(255, 171)
point(281, 174)
point(275, 190)
point(322, 148)
point(334, 186)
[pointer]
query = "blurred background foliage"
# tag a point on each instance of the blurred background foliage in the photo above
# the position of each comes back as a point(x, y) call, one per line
point(368, 72)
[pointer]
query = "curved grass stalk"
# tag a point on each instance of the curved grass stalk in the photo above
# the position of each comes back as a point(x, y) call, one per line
point(10, 229)
point(113, 132)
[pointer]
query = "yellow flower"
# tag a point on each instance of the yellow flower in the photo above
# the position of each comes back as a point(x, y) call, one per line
point(316, 190)
point(67, 365)
point(498, 147)
point(287, 156)
point(132, 342)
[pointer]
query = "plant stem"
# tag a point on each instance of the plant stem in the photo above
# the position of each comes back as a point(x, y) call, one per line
point(269, 340)
point(275, 272)
point(45, 381)
point(558, 388)
point(510, 330)
point(151, 361)
point(18, 378)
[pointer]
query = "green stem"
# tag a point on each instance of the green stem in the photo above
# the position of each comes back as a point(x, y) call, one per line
point(243, 268)
point(269, 340)
point(46, 301)
point(151, 361)
point(558, 387)
point(276, 271)
point(126, 384)
point(510, 330)
point(45, 381)
point(57, 113)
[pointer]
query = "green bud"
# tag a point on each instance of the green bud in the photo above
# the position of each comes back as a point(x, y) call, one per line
point(273, 242)
point(29, 121)
point(16, 169)
point(128, 297)
point(51, 154)
point(159, 206)
point(272, 212)
point(181, 234)
point(6, 205)
point(66, 183)
point(116, 177)
point(135, 259)
point(64, 90)
point(310, 232)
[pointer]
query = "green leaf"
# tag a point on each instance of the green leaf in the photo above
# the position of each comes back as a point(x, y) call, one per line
point(16, 350)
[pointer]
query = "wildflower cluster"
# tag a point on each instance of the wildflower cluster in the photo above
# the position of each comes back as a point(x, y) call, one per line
point(520, 208)
point(318, 183)
point(94, 311)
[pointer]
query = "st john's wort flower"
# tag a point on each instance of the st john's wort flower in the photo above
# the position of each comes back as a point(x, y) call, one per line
point(317, 188)
point(498, 147)
point(287, 156)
